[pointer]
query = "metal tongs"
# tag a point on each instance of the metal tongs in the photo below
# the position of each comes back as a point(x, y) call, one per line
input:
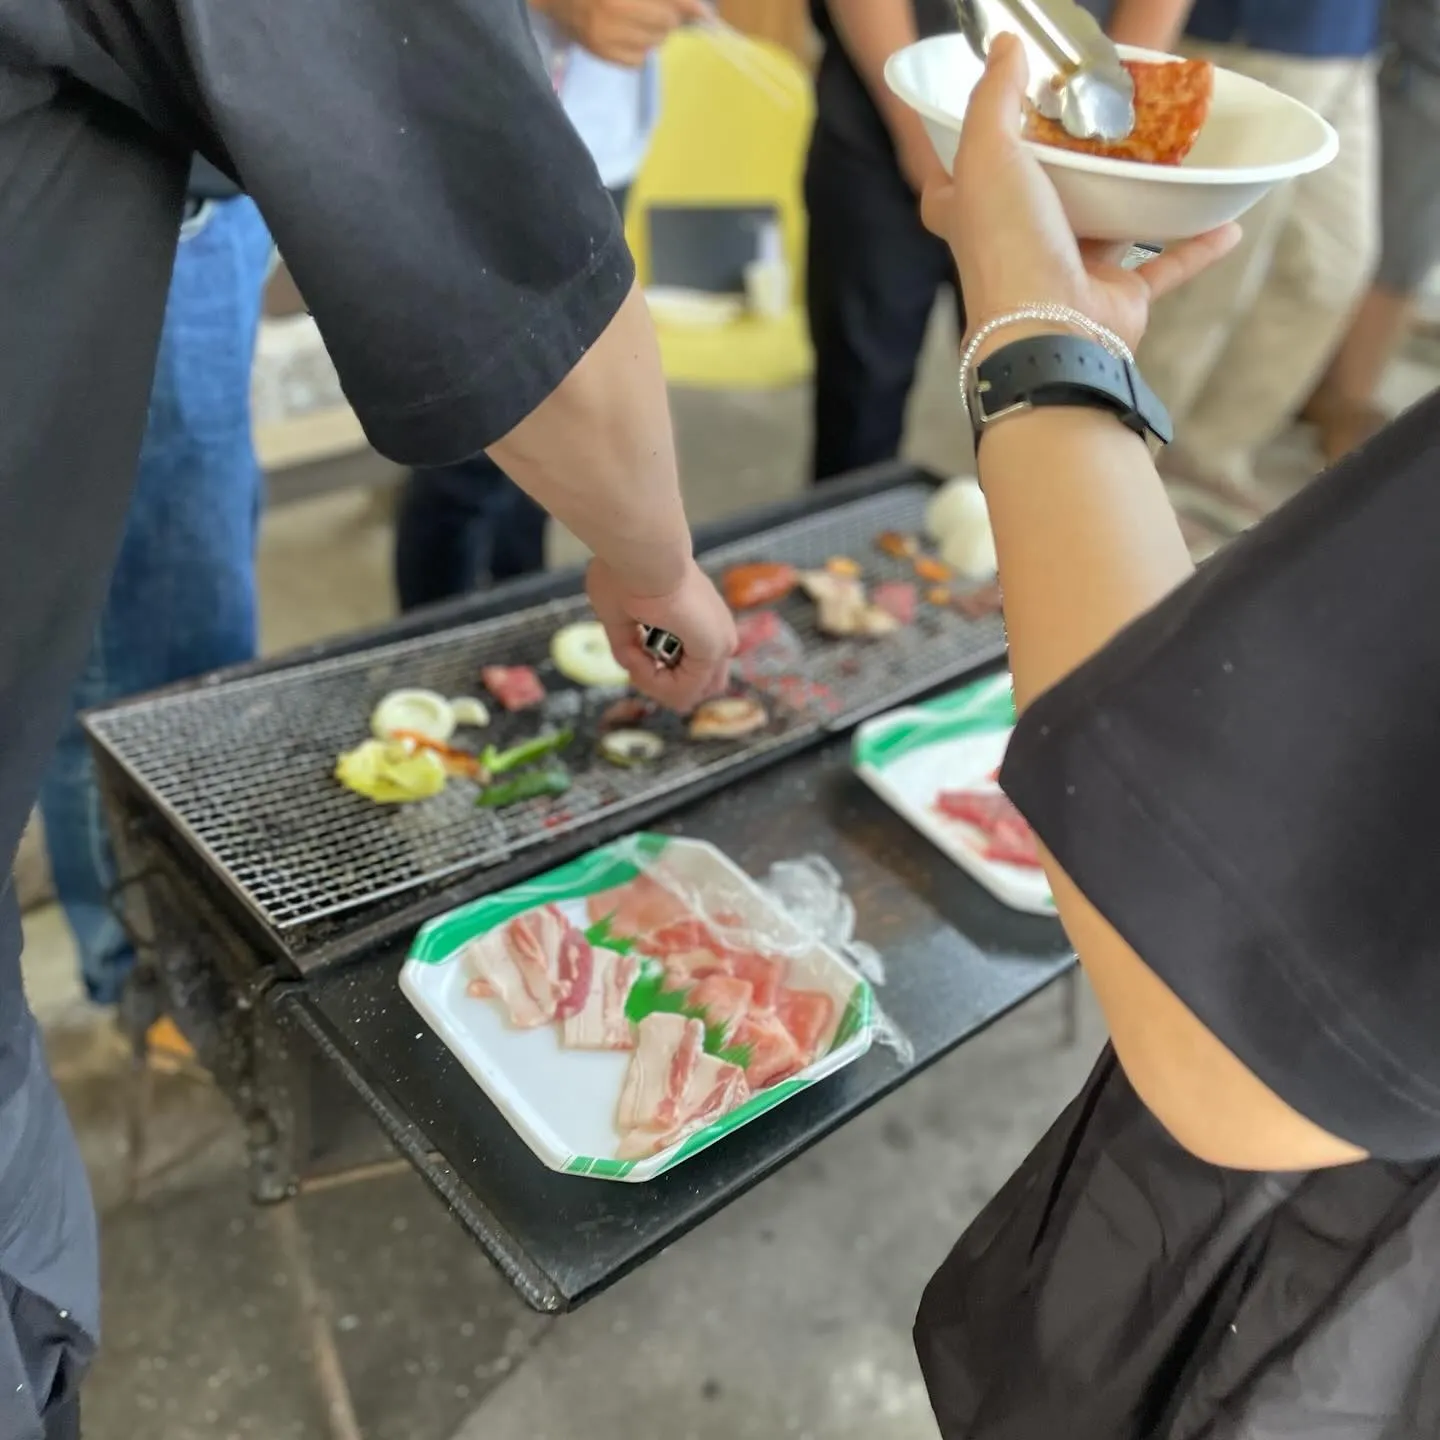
point(1075, 71)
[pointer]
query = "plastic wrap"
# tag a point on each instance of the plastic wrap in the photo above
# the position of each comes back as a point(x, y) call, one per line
point(810, 894)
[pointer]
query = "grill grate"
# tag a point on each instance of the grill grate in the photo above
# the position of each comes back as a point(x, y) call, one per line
point(244, 767)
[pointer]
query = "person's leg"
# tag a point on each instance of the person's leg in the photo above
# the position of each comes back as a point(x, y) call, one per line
point(1323, 259)
point(64, 1424)
point(872, 274)
point(182, 597)
point(519, 534)
point(445, 531)
point(49, 1262)
point(1343, 406)
point(1192, 327)
point(463, 526)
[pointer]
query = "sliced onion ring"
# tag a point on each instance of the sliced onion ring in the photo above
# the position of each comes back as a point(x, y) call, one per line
point(467, 710)
point(631, 747)
point(421, 712)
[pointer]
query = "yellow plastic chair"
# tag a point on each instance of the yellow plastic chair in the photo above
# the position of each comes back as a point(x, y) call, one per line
point(728, 137)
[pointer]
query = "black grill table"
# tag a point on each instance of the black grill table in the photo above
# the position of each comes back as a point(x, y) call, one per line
point(272, 910)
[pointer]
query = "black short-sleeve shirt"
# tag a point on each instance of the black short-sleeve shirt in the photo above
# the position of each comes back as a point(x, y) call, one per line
point(440, 215)
point(1246, 783)
point(452, 238)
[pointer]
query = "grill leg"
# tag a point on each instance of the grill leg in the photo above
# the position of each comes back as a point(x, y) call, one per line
point(277, 1118)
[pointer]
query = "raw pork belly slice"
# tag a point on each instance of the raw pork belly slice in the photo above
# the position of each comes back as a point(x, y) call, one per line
point(600, 1022)
point(534, 966)
point(681, 936)
point(774, 1053)
point(574, 964)
point(672, 1087)
point(683, 969)
point(764, 975)
point(724, 1001)
point(638, 908)
point(667, 1049)
point(715, 1089)
point(809, 1016)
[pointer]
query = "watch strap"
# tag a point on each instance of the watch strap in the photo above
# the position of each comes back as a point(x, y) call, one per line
point(1068, 370)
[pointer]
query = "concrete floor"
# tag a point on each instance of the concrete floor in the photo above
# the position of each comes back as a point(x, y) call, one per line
point(786, 1316)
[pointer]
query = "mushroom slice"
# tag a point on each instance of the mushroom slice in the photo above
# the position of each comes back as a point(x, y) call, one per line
point(729, 718)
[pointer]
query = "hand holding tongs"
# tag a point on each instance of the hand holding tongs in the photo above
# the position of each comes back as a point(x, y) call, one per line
point(1076, 74)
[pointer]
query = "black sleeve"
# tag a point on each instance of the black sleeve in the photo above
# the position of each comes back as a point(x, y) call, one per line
point(1246, 783)
point(439, 214)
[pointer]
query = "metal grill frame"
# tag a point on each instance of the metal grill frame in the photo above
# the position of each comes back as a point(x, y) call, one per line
point(332, 939)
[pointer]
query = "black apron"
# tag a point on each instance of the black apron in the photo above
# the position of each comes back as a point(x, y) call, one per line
point(1118, 1288)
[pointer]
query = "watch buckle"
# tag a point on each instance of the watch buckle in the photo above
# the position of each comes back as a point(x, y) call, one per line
point(980, 417)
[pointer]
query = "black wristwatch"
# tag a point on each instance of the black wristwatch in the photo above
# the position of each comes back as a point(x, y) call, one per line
point(1062, 370)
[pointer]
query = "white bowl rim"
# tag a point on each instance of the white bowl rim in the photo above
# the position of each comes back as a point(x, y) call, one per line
point(1317, 159)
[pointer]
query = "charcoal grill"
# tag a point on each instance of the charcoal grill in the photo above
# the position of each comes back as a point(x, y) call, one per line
point(243, 767)
point(272, 910)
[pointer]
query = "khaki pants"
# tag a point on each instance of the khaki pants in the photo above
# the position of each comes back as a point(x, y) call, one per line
point(1235, 354)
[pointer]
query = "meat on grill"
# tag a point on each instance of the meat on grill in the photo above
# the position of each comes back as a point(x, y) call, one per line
point(897, 599)
point(764, 627)
point(747, 586)
point(516, 687)
point(842, 607)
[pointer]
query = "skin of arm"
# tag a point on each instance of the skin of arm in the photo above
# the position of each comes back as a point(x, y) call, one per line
point(1087, 541)
point(624, 501)
point(613, 408)
point(1078, 561)
point(1149, 24)
point(872, 31)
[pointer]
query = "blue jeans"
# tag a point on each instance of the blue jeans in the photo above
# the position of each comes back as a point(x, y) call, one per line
point(464, 526)
point(182, 597)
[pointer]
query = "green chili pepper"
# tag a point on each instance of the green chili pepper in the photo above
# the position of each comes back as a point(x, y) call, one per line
point(497, 762)
point(554, 780)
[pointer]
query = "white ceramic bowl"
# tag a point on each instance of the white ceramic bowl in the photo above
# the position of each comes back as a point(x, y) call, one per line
point(1254, 139)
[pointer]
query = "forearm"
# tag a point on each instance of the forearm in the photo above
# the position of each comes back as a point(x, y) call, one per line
point(1086, 536)
point(1149, 24)
point(599, 455)
point(1088, 541)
